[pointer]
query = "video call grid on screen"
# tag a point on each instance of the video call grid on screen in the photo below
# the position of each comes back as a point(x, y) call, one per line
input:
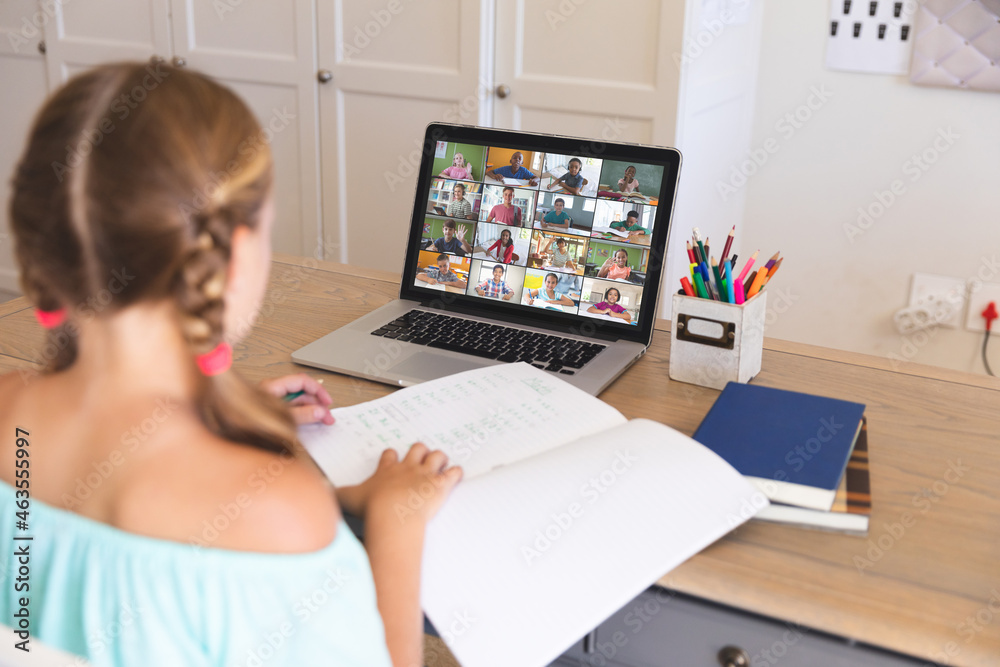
point(564, 233)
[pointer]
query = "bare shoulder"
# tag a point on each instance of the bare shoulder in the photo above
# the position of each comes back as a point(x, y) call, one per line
point(232, 496)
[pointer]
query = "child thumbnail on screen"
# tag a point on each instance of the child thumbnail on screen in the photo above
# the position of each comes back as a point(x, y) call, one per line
point(565, 213)
point(492, 280)
point(454, 199)
point(611, 300)
point(513, 166)
point(465, 162)
point(503, 244)
point(551, 290)
point(625, 222)
point(571, 175)
point(507, 205)
point(630, 181)
point(441, 271)
point(447, 235)
point(616, 261)
point(557, 252)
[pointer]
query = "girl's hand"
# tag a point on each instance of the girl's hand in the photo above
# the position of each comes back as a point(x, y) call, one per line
point(311, 407)
point(394, 487)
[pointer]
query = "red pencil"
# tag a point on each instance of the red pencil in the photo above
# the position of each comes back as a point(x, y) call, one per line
point(691, 253)
point(686, 284)
point(729, 244)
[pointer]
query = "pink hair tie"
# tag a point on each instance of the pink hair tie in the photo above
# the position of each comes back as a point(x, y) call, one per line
point(217, 361)
point(50, 319)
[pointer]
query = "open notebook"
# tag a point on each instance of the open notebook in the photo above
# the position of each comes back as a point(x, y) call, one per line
point(567, 510)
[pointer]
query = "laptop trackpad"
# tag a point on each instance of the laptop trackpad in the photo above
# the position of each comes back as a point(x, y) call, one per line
point(430, 366)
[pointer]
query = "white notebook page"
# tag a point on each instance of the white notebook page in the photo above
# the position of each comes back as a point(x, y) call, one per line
point(501, 595)
point(481, 419)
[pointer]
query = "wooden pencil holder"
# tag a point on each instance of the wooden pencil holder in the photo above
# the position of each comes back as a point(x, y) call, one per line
point(712, 342)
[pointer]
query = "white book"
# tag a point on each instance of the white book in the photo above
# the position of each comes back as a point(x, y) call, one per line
point(609, 230)
point(566, 512)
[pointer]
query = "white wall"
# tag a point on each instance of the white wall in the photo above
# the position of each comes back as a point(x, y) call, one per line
point(718, 68)
point(837, 289)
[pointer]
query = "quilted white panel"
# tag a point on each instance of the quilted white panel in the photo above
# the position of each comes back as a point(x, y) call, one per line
point(957, 44)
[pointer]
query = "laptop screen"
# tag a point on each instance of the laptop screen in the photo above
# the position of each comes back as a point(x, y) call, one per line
point(559, 232)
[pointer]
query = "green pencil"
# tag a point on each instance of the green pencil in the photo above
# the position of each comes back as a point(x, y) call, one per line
point(718, 280)
point(699, 284)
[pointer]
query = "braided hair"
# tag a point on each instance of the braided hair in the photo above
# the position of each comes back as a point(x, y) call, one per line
point(149, 193)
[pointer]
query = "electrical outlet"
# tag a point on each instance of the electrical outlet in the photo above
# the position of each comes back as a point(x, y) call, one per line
point(927, 289)
point(980, 295)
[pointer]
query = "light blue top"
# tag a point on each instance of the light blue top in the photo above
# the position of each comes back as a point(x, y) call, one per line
point(118, 598)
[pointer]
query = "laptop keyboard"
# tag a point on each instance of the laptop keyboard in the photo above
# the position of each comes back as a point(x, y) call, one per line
point(491, 341)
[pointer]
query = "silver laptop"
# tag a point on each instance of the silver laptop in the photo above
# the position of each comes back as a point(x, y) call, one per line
point(522, 247)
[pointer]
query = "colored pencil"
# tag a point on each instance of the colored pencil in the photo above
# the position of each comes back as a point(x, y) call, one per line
point(773, 270)
point(731, 291)
point(686, 284)
point(771, 261)
point(739, 292)
point(743, 273)
point(758, 282)
point(700, 284)
point(690, 252)
point(718, 278)
point(747, 283)
point(728, 245)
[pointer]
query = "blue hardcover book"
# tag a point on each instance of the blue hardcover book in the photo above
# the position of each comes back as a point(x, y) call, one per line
point(794, 447)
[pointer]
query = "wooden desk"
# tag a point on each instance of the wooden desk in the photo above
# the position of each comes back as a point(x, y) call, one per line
point(935, 535)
